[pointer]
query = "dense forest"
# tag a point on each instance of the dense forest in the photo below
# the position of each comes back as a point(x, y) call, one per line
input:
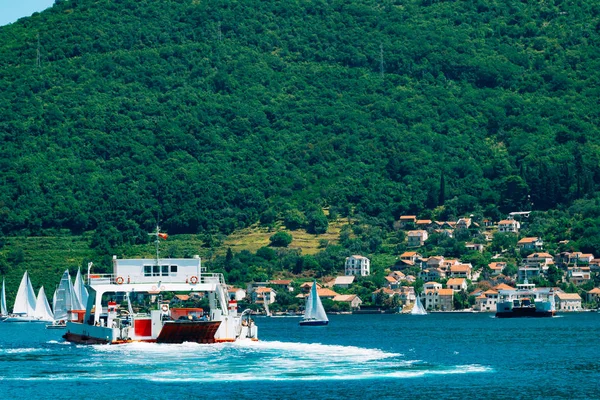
point(213, 116)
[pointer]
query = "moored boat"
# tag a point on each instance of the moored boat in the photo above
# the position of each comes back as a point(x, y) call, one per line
point(148, 282)
point(25, 301)
point(526, 301)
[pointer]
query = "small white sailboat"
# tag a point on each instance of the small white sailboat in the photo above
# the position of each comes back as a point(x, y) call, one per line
point(43, 312)
point(314, 313)
point(65, 300)
point(3, 310)
point(24, 308)
point(80, 291)
point(418, 308)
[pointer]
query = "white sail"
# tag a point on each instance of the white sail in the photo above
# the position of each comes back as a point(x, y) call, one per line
point(418, 308)
point(25, 300)
point(314, 308)
point(3, 310)
point(80, 291)
point(66, 300)
point(42, 308)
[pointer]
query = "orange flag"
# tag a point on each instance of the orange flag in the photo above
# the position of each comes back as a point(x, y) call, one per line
point(163, 236)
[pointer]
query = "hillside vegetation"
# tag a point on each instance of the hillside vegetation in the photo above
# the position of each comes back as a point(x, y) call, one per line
point(213, 116)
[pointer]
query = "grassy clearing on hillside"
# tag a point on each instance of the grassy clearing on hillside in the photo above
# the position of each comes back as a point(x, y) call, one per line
point(254, 238)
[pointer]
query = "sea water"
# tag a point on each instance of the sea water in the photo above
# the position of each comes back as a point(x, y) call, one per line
point(440, 355)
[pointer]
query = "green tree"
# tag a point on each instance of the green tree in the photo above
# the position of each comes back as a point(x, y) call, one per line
point(281, 239)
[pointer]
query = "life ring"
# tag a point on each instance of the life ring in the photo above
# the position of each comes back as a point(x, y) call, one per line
point(194, 280)
point(119, 280)
point(164, 308)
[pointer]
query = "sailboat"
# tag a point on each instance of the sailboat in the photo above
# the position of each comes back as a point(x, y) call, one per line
point(314, 313)
point(3, 312)
point(43, 312)
point(418, 308)
point(65, 300)
point(24, 308)
point(80, 290)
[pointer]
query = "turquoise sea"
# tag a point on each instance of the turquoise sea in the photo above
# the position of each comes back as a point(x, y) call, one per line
point(437, 356)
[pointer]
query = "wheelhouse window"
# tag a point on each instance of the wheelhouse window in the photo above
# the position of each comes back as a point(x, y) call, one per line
point(174, 269)
point(164, 270)
point(147, 270)
point(156, 270)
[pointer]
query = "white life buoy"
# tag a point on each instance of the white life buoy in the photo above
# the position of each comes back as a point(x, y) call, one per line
point(119, 280)
point(194, 280)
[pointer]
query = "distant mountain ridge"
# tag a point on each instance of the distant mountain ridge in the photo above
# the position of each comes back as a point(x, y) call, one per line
point(212, 115)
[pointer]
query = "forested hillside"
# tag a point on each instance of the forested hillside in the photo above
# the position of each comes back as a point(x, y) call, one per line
point(210, 115)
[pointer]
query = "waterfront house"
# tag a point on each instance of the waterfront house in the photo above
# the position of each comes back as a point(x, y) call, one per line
point(457, 284)
point(263, 295)
point(487, 301)
point(509, 226)
point(567, 301)
point(593, 296)
point(417, 238)
point(351, 299)
point(358, 265)
point(530, 243)
point(446, 299)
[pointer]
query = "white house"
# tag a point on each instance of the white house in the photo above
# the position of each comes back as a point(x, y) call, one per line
point(530, 243)
point(568, 302)
point(417, 238)
point(457, 284)
point(509, 225)
point(358, 265)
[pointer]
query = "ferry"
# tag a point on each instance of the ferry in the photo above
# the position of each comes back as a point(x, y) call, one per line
point(525, 302)
point(109, 317)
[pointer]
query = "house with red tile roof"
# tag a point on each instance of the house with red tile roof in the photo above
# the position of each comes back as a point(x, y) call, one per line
point(457, 284)
point(530, 243)
point(353, 300)
point(264, 295)
point(497, 267)
point(509, 226)
point(407, 221)
point(593, 296)
point(568, 302)
point(486, 301)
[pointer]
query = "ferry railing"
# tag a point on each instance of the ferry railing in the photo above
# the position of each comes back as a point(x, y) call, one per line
point(104, 279)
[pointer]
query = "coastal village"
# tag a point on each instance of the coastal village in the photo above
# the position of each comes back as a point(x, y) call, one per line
point(447, 284)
